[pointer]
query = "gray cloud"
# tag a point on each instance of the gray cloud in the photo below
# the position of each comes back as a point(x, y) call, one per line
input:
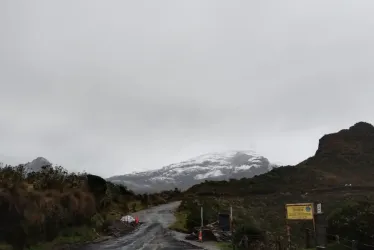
point(117, 86)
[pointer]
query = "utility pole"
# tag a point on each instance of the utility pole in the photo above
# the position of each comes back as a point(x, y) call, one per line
point(232, 228)
point(231, 218)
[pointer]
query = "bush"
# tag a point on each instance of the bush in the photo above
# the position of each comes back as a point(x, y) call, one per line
point(352, 220)
point(194, 213)
point(250, 230)
point(40, 206)
point(96, 185)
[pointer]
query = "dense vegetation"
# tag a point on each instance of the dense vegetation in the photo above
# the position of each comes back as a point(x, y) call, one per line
point(346, 157)
point(53, 206)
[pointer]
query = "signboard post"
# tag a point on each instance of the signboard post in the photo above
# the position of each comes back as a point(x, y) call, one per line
point(298, 211)
point(319, 208)
point(320, 227)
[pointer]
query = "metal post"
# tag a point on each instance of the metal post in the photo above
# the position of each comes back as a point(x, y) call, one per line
point(288, 237)
point(321, 225)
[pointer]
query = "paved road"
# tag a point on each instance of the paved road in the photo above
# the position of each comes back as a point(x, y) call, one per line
point(152, 235)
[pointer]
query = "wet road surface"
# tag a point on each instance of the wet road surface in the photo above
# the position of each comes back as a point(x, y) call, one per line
point(152, 235)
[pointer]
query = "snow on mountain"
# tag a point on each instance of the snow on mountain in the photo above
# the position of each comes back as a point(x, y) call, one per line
point(213, 166)
point(36, 165)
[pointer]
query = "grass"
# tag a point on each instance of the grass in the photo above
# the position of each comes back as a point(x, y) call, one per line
point(180, 223)
point(5, 246)
point(329, 247)
point(138, 206)
point(74, 235)
point(224, 246)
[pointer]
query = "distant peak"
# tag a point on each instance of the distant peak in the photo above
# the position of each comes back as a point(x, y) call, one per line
point(227, 153)
point(352, 142)
point(41, 160)
point(224, 165)
point(362, 127)
point(37, 164)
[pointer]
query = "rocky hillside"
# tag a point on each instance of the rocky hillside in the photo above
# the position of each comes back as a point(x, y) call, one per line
point(344, 157)
point(352, 147)
point(214, 166)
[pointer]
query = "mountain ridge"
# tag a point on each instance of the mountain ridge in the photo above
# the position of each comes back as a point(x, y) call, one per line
point(210, 166)
point(342, 157)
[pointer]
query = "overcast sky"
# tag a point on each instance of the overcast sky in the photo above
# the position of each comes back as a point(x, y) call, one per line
point(112, 87)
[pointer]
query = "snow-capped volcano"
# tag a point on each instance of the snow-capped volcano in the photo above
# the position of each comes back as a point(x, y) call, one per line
point(214, 166)
point(36, 165)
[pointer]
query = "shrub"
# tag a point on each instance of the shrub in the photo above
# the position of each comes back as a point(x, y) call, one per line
point(40, 206)
point(352, 220)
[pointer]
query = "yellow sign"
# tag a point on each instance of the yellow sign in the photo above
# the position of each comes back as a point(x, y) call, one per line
point(300, 211)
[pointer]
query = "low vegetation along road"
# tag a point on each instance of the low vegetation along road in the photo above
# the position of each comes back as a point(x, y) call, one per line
point(152, 235)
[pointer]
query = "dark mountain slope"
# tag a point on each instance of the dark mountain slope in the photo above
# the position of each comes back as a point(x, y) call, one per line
point(343, 157)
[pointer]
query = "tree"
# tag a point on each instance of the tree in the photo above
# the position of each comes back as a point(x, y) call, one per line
point(145, 200)
point(134, 207)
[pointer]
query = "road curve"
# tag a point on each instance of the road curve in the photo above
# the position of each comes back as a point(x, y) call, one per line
point(152, 235)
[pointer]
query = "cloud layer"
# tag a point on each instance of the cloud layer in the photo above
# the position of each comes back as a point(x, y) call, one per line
point(114, 87)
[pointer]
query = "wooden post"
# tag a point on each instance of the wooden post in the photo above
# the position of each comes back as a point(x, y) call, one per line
point(231, 219)
point(288, 231)
point(354, 245)
point(307, 238)
point(202, 224)
point(337, 239)
point(288, 237)
point(232, 229)
point(279, 246)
